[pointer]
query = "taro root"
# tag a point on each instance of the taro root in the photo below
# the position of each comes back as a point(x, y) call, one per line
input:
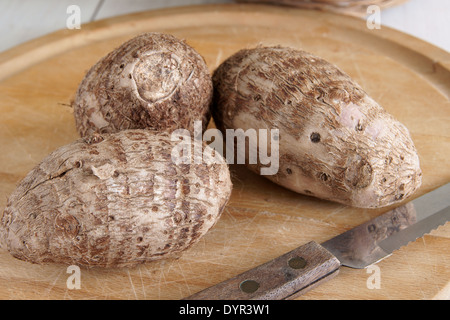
point(151, 81)
point(114, 200)
point(335, 142)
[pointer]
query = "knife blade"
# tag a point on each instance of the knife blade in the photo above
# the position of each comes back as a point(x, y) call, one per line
point(309, 265)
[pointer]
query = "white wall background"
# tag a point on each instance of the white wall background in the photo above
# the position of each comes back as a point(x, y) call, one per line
point(22, 20)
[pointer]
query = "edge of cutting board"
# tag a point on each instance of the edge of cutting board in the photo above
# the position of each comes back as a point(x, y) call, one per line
point(423, 57)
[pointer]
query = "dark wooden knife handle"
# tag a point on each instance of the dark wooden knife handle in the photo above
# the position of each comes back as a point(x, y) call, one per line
point(285, 277)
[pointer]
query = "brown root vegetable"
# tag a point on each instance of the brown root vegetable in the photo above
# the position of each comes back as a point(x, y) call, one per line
point(114, 200)
point(335, 142)
point(151, 81)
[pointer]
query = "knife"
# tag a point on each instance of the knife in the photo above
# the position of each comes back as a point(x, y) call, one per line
point(306, 267)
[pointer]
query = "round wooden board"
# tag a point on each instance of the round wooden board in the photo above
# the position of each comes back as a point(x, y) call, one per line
point(410, 78)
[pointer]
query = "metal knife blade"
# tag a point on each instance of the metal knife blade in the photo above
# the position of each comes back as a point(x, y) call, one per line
point(376, 239)
point(309, 265)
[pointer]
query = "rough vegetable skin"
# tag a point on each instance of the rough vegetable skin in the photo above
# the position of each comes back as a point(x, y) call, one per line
point(113, 200)
point(335, 143)
point(151, 81)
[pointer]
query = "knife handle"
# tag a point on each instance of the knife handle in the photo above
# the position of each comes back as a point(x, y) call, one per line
point(285, 277)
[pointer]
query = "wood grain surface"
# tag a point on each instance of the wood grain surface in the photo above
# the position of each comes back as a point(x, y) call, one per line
point(408, 77)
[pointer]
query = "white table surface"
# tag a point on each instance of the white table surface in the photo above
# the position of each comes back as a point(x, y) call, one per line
point(23, 20)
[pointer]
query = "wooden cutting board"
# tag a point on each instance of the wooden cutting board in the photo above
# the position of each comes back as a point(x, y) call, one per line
point(410, 78)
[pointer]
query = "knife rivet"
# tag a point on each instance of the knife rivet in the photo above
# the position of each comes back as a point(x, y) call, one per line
point(249, 286)
point(297, 263)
